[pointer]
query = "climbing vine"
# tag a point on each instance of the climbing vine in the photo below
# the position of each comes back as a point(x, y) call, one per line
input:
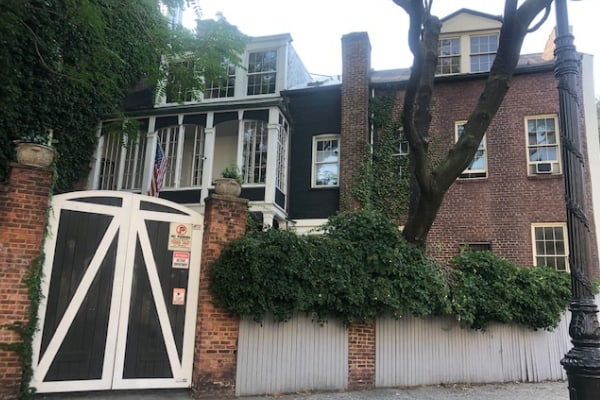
point(384, 179)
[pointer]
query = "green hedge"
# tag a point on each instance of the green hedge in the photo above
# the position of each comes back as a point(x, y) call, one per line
point(360, 268)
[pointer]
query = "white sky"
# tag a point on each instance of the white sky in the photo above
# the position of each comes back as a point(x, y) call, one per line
point(317, 26)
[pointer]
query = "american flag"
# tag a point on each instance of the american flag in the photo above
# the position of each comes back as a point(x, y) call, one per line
point(160, 166)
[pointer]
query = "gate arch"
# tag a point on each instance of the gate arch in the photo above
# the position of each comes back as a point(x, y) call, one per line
point(120, 289)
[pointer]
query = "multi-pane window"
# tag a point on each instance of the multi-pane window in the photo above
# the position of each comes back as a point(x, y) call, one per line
point(550, 246)
point(122, 162)
point(180, 90)
point(282, 140)
point(449, 56)
point(183, 147)
point(222, 88)
point(542, 145)
point(401, 156)
point(326, 158)
point(262, 72)
point(483, 52)
point(254, 168)
point(478, 166)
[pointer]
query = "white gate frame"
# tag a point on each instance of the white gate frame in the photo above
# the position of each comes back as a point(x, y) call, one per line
point(130, 226)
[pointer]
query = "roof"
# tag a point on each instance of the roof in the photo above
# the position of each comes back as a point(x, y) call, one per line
point(471, 12)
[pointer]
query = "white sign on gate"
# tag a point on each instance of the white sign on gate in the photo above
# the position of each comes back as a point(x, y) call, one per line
point(180, 236)
point(181, 259)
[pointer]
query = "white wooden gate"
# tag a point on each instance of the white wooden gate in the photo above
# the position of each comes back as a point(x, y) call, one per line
point(120, 291)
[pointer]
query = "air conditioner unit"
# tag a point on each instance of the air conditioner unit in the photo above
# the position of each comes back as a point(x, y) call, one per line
point(543, 168)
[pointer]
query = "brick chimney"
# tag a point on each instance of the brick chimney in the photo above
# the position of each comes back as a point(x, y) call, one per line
point(354, 135)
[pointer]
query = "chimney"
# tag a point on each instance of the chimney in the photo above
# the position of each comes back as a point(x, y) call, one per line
point(354, 135)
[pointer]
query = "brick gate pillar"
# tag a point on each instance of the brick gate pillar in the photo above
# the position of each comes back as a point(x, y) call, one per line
point(215, 352)
point(361, 356)
point(23, 206)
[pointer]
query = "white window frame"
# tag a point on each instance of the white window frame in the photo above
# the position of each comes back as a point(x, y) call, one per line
point(215, 92)
point(255, 146)
point(469, 173)
point(250, 74)
point(315, 163)
point(172, 140)
point(491, 55)
point(282, 157)
point(533, 166)
point(563, 227)
point(122, 164)
point(449, 56)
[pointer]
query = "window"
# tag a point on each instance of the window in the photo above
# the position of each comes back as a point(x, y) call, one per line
point(262, 72)
point(176, 91)
point(401, 155)
point(282, 140)
point(326, 157)
point(478, 166)
point(184, 150)
point(449, 56)
point(542, 145)
point(550, 247)
point(254, 168)
point(483, 52)
point(122, 163)
point(476, 246)
point(224, 88)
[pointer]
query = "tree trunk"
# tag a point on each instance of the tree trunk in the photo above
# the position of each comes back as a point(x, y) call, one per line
point(422, 214)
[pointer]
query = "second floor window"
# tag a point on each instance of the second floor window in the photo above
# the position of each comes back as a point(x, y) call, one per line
point(449, 56)
point(224, 88)
point(326, 158)
point(478, 166)
point(262, 72)
point(483, 52)
point(542, 145)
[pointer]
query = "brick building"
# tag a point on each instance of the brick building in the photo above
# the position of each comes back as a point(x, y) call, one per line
point(510, 200)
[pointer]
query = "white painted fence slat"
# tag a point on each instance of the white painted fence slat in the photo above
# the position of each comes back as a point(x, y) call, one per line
point(298, 355)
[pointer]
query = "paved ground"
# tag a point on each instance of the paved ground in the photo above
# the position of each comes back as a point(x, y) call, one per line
point(514, 391)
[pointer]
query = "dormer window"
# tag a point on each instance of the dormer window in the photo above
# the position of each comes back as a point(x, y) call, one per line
point(483, 52)
point(262, 72)
point(449, 56)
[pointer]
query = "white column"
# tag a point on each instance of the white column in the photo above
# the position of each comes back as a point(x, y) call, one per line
point(151, 137)
point(209, 152)
point(273, 136)
point(94, 176)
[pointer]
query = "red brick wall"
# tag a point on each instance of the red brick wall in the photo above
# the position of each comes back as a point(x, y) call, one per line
point(217, 332)
point(23, 206)
point(361, 356)
point(500, 208)
point(356, 61)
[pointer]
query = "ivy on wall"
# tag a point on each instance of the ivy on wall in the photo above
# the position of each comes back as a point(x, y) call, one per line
point(68, 64)
point(360, 268)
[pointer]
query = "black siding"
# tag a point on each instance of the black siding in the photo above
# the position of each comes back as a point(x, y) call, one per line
point(313, 112)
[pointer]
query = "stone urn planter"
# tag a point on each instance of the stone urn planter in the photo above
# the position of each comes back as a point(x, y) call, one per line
point(35, 154)
point(228, 187)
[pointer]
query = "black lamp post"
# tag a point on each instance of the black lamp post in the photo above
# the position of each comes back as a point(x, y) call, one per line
point(582, 362)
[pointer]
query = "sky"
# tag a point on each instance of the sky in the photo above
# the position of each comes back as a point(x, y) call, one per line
point(317, 26)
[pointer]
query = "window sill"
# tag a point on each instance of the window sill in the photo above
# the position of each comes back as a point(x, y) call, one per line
point(542, 177)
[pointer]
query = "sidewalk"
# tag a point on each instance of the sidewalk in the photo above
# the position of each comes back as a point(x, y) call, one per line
point(506, 391)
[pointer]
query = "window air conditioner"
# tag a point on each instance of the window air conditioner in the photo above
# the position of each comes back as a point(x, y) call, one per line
point(543, 168)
